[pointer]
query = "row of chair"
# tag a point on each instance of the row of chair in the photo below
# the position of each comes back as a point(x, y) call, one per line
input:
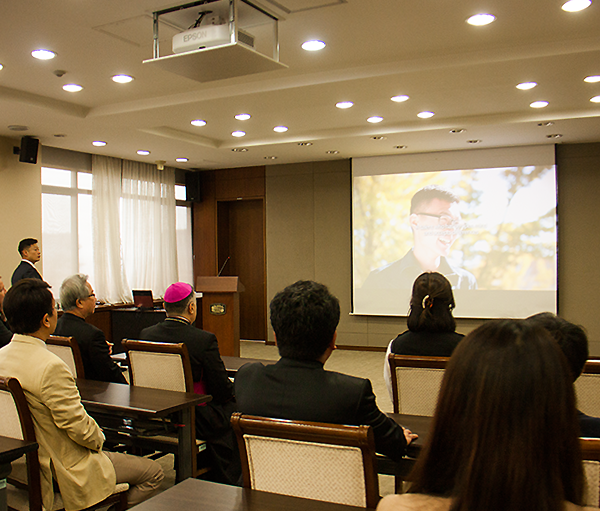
point(331, 462)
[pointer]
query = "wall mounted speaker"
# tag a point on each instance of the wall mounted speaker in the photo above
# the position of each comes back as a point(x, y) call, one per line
point(29, 150)
point(193, 187)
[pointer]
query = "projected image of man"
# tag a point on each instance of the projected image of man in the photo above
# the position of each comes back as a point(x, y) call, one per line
point(436, 224)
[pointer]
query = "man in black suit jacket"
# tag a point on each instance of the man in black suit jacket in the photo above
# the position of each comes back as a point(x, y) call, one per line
point(304, 317)
point(5, 333)
point(78, 300)
point(209, 375)
point(573, 342)
point(30, 254)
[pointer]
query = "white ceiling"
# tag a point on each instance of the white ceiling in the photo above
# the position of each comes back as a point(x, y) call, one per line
point(375, 49)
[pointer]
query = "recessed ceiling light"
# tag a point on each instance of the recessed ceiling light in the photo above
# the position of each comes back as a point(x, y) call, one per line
point(305, 143)
point(99, 143)
point(576, 5)
point(280, 129)
point(400, 147)
point(240, 150)
point(243, 117)
point(143, 152)
point(313, 45)
point(545, 124)
point(182, 160)
point(457, 130)
point(425, 115)
point(72, 87)
point(479, 20)
point(332, 152)
point(595, 99)
point(18, 127)
point(474, 141)
point(399, 99)
point(554, 135)
point(526, 85)
point(122, 78)
point(588, 79)
point(379, 137)
point(238, 133)
point(1, 66)
point(198, 122)
point(270, 157)
point(375, 119)
point(344, 104)
point(43, 54)
point(539, 104)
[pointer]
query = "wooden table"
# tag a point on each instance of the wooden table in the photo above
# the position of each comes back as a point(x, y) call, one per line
point(117, 399)
point(418, 424)
point(10, 450)
point(197, 494)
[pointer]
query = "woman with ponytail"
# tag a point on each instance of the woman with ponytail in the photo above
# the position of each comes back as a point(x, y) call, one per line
point(431, 326)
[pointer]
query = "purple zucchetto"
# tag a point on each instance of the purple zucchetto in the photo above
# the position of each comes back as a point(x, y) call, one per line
point(177, 292)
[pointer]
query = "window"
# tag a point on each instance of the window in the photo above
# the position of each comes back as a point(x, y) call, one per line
point(67, 245)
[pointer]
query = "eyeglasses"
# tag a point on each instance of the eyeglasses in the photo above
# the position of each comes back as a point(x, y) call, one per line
point(91, 294)
point(446, 220)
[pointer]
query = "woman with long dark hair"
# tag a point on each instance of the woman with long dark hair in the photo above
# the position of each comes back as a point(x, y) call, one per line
point(431, 326)
point(504, 434)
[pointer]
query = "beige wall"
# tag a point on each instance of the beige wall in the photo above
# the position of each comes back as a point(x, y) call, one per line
point(308, 215)
point(20, 205)
point(579, 237)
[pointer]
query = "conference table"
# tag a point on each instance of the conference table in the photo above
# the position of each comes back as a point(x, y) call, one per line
point(195, 494)
point(107, 401)
point(10, 450)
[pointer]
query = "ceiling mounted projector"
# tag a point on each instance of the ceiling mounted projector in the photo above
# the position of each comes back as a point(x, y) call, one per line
point(208, 36)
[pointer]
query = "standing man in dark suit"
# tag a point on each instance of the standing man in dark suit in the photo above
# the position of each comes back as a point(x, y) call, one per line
point(78, 300)
point(5, 333)
point(209, 375)
point(30, 254)
point(304, 317)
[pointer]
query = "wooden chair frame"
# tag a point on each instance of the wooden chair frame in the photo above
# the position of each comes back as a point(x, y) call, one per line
point(335, 434)
point(395, 361)
point(34, 485)
point(70, 342)
point(175, 349)
point(161, 347)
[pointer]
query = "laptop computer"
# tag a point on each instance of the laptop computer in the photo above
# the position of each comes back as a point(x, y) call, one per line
point(143, 299)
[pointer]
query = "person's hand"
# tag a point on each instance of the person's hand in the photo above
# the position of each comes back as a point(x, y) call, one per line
point(409, 435)
point(110, 345)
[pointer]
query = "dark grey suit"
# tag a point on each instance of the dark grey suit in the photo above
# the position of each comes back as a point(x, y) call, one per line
point(94, 351)
point(304, 390)
point(25, 270)
point(5, 334)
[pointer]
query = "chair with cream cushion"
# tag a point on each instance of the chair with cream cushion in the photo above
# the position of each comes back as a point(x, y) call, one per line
point(328, 462)
point(590, 453)
point(587, 388)
point(416, 382)
point(166, 366)
point(67, 349)
point(24, 491)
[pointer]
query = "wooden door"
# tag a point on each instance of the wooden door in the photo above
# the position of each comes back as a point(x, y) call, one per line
point(240, 236)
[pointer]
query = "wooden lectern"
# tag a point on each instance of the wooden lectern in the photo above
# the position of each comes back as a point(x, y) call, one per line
point(221, 311)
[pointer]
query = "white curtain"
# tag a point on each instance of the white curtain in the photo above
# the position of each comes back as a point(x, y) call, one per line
point(148, 228)
point(110, 281)
point(134, 228)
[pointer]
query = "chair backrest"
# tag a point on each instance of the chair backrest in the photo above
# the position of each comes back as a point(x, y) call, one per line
point(16, 423)
point(67, 349)
point(590, 453)
point(416, 383)
point(587, 388)
point(312, 460)
point(159, 365)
